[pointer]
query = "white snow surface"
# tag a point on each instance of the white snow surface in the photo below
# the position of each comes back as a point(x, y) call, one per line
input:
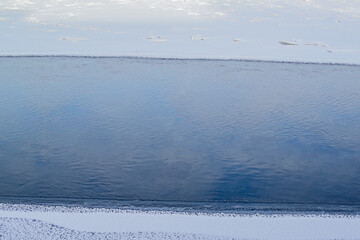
point(296, 30)
point(41, 222)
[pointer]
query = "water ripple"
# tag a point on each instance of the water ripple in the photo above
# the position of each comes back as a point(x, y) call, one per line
point(190, 130)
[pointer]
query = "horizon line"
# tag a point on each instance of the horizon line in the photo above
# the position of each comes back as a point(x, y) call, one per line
point(176, 58)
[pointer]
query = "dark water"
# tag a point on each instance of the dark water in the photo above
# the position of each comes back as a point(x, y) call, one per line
point(183, 130)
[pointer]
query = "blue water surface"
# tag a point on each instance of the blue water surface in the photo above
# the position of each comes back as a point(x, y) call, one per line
point(179, 130)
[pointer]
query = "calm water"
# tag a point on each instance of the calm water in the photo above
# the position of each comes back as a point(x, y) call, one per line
point(185, 130)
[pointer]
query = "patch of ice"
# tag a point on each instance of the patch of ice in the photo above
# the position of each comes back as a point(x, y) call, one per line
point(72, 39)
point(255, 20)
point(288, 43)
point(199, 37)
point(239, 40)
point(154, 38)
point(317, 44)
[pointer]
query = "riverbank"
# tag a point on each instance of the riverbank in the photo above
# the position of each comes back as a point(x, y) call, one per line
point(62, 222)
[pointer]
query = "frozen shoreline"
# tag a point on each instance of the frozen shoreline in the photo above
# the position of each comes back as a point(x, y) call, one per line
point(82, 223)
point(181, 58)
point(321, 31)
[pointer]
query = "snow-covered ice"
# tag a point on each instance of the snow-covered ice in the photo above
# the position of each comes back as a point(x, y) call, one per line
point(298, 30)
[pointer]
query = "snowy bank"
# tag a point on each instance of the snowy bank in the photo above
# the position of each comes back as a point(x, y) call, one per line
point(38, 222)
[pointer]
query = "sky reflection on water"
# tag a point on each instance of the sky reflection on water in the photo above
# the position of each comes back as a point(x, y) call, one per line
point(188, 130)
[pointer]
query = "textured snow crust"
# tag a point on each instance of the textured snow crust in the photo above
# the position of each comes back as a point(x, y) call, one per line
point(17, 228)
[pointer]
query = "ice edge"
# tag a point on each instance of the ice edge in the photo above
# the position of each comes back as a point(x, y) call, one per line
point(177, 58)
